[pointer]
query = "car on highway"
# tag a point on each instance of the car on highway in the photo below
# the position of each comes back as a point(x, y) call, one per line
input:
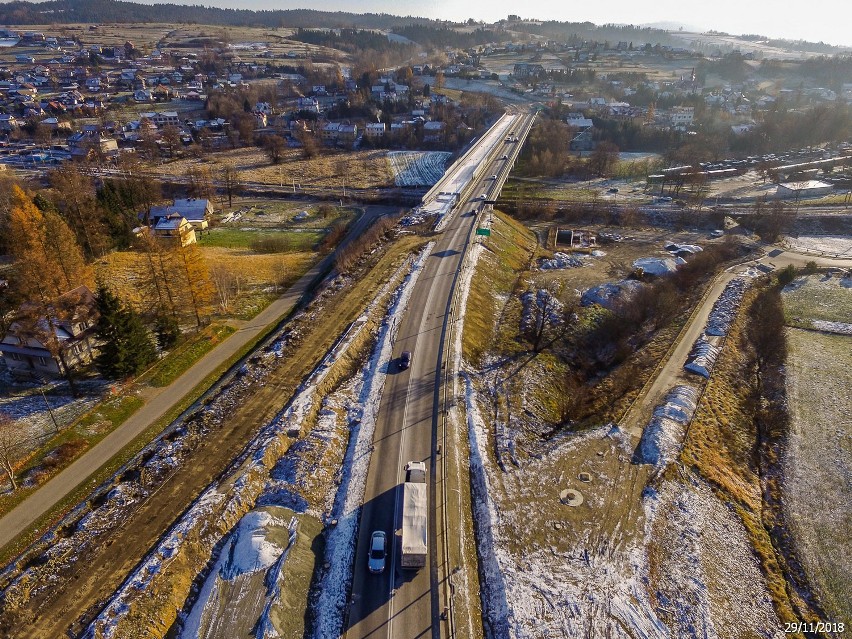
point(505, 157)
point(378, 552)
point(482, 196)
point(492, 177)
point(404, 360)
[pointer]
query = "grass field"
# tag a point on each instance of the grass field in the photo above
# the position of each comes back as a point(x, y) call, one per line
point(259, 275)
point(508, 253)
point(817, 297)
point(820, 448)
point(331, 169)
point(185, 355)
point(292, 241)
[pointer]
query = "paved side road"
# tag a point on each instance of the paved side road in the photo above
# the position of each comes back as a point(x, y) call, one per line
point(160, 401)
point(672, 370)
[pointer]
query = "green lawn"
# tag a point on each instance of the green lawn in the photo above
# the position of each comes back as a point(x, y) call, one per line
point(184, 356)
point(290, 241)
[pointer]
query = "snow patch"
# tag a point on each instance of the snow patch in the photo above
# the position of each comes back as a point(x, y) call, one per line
point(330, 598)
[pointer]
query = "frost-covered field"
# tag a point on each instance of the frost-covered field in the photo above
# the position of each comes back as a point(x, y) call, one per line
point(417, 168)
point(818, 298)
point(705, 579)
point(838, 245)
point(31, 411)
point(553, 567)
point(818, 486)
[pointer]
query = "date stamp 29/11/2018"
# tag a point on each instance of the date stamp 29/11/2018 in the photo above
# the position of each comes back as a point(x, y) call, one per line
point(814, 627)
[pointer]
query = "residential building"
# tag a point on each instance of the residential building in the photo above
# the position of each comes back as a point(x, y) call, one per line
point(526, 70)
point(175, 227)
point(339, 133)
point(375, 129)
point(40, 346)
point(682, 117)
point(196, 211)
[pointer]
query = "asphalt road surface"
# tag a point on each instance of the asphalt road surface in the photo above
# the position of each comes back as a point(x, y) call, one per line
point(404, 604)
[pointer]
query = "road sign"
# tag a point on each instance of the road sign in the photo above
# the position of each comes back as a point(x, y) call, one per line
point(485, 232)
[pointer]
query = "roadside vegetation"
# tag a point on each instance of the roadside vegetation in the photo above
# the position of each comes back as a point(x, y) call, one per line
point(738, 438)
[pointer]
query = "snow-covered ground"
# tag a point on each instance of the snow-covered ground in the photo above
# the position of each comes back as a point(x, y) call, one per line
point(417, 168)
point(818, 462)
point(229, 604)
point(707, 581)
point(829, 245)
point(31, 410)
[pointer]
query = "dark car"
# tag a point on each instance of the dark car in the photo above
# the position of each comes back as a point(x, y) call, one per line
point(404, 360)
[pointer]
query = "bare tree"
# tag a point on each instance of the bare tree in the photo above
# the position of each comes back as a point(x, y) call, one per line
point(12, 438)
point(228, 286)
point(231, 182)
point(274, 147)
point(199, 181)
point(172, 140)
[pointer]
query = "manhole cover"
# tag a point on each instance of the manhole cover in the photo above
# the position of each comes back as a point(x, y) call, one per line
point(584, 477)
point(571, 497)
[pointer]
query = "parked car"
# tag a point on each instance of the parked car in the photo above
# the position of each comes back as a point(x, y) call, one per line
point(378, 552)
point(404, 360)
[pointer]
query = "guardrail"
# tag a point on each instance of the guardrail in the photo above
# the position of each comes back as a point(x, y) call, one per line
point(439, 186)
point(450, 320)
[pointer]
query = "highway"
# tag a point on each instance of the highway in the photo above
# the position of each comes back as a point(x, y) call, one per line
point(407, 604)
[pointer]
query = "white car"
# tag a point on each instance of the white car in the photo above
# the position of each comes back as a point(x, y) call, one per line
point(378, 552)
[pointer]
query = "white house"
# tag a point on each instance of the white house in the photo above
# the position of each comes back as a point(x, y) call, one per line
point(682, 117)
point(375, 129)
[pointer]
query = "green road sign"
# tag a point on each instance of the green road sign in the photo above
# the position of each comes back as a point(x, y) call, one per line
point(486, 232)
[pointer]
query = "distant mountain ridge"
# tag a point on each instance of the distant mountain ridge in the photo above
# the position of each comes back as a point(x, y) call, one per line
point(97, 11)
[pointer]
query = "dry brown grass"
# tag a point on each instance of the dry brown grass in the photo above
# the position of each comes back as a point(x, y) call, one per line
point(722, 435)
point(122, 272)
point(331, 169)
point(720, 445)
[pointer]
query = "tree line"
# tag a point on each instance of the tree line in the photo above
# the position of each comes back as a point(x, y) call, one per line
point(55, 237)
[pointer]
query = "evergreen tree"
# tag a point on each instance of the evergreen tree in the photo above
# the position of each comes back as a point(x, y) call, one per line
point(167, 330)
point(126, 347)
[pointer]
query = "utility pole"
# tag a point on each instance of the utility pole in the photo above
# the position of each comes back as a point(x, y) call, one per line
point(50, 410)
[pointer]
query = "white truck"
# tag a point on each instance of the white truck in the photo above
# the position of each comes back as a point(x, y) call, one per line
point(414, 516)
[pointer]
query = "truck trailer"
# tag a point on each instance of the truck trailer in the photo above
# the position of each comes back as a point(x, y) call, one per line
point(414, 516)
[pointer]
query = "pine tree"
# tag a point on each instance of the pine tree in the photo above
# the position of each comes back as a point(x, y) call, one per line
point(126, 347)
